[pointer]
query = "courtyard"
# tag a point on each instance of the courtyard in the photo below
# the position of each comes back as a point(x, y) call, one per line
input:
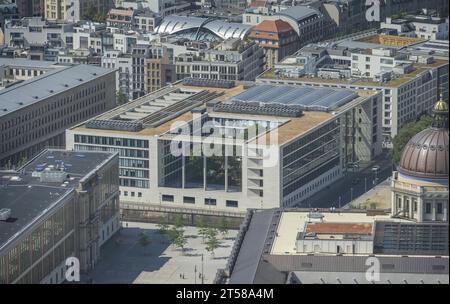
point(125, 260)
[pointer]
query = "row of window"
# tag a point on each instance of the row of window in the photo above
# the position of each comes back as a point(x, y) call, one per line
point(192, 200)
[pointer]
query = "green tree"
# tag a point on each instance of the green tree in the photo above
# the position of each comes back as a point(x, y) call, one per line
point(180, 240)
point(144, 239)
point(121, 98)
point(163, 228)
point(179, 221)
point(223, 226)
point(405, 134)
point(202, 230)
point(212, 243)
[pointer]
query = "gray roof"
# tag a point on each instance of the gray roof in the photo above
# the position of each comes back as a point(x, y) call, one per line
point(312, 277)
point(307, 97)
point(299, 13)
point(31, 199)
point(247, 262)
point(173, 24)
point(51, 83)
point(21, 62)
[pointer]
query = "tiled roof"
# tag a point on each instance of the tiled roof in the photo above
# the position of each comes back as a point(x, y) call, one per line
point(270, 29)
point(339, 228)
point(258, 3)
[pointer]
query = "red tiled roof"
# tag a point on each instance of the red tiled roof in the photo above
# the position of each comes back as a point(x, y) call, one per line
point(339, 228)
point(258, 3)
point(275, 26)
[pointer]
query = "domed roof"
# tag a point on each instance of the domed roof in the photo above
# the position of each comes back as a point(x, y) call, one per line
point(426, 154)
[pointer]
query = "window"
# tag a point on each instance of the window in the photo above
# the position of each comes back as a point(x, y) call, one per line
point(439, 208)
point(230, 203)
point(167, 198)
point(210, 201)
point(188, 200)
point(428, 208)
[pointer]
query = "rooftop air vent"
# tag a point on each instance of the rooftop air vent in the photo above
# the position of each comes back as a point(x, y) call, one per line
point(5, 214)
point(5, 109)
point(36, 97)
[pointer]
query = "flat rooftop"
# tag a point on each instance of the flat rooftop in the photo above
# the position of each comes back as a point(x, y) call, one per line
point(158, 111)
point(49, 84)
point(395, 82)
point(320, 104)
point(26, 63)
point(292, 223)
point(29, 198)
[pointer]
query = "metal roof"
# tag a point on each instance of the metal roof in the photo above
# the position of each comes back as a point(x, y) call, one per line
point(317, 99)
point(174, 24)
point(298, 13)
point(51, 83)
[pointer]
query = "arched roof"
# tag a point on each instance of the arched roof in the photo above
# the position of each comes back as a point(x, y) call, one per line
point(224, 30)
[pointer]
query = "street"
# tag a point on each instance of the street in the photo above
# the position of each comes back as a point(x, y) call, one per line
point(350, 186)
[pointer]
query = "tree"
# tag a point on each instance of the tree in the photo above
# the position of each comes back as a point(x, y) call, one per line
point(405, 134)
point(144, 239)
point(212, 243)
point(163, 228)
point(202, 230)
point(223, 226)
point(179, 221)
point(180, 240)
point(121, 98)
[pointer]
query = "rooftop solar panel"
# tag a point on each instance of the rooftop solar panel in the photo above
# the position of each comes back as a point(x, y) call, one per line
point(307, 98)
point(251, 93)
point(291, 96)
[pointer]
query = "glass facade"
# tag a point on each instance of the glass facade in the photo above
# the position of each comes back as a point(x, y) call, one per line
point(310, 156)
point(203, 172)
point(47, 246)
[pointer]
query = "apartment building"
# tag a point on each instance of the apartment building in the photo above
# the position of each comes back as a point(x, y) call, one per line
point(310, 145)
point(60, 205)
point(147, 21)
point(75, 10)
point(277, 38)
point(35, 112)
point(34, 31)
point(152, 68)
point(232, 59)
point(122, 63)
point(420, 26)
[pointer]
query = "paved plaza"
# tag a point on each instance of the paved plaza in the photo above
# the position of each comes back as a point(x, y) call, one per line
point(125, 260)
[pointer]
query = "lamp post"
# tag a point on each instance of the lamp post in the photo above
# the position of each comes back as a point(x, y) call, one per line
point(202, 271)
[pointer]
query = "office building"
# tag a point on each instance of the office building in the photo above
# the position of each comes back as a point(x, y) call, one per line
point(35, 113)
point(59, 205)
point(314, 138)
point(408, 80)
